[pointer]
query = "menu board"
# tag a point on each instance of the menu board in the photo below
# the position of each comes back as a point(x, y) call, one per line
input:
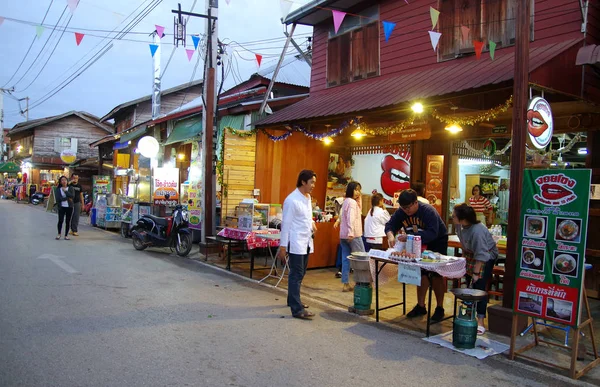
point(101, 185)
point(552, 240)
point(166, 183)
point(195, 208)
point(434, 177)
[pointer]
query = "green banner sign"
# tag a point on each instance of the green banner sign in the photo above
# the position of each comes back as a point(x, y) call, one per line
point(552, 240)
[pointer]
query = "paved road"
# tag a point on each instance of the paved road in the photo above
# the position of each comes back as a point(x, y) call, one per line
point(94, 312)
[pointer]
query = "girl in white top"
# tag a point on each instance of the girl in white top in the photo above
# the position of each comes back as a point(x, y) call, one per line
point(375, 222)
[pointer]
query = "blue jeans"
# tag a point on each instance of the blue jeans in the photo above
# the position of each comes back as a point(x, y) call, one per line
point(348, 247)
point(298, 264)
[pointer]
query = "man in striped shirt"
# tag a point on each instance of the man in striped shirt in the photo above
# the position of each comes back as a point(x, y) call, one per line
point(481, 205)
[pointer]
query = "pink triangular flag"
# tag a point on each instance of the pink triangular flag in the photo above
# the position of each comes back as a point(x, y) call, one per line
point(1, 20)
point(478, 48)
point(72, 5)
point(189, 53)
point(435, 38)
point(159, 30)
point(78, 38)
point(465, 33)
point(338, 18)
point(258, 59)
point(227, 1)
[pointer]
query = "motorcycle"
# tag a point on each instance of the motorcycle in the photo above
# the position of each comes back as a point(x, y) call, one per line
point(171, 232)
point(87, 203)
point(37, 198)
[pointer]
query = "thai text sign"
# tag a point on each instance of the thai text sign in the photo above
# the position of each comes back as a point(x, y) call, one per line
point(166, 185)
point(552, 239)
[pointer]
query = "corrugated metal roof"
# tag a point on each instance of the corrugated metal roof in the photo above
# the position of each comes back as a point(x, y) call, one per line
point(294, 71)
point(443, 78)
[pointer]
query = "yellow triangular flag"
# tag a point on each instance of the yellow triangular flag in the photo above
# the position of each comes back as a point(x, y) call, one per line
point(435, 14)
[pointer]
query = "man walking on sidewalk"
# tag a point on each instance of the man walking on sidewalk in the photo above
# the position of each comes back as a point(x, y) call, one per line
point(297, 230)
point(77, 200)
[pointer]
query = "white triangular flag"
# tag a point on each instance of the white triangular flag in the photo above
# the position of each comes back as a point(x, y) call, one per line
point(435, 38)
point(268, 109)
point(285, 6)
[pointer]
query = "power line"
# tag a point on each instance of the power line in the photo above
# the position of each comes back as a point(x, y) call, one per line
point(29, 49)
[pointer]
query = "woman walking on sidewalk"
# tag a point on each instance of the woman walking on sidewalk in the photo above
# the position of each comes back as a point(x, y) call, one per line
point(63, 195)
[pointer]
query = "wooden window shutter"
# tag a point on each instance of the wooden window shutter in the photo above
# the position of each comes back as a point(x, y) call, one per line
point(468, 14)
point(494, 18)
point(359, 66)
point(508, 37)
point(372, 49)
point(57, 145)
point(74, 145)
point(447, 48)
point(345, 61)
point(333, 62)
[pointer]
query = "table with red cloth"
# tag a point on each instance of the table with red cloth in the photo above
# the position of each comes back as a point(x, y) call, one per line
point(250, 239)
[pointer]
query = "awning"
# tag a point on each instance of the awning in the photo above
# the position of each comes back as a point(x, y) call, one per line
point(9, 167)
point(125, 138)
point(120, 145)
point(431, 81)
point(185, 130)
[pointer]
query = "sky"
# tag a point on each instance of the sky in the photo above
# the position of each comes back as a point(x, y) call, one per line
point(124, 73)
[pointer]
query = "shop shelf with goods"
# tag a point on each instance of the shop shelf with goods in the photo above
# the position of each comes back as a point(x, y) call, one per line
point(489, 184)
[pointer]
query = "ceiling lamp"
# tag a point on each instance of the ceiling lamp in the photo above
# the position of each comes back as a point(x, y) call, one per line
point(454, 128)
point(327, 140)
point(582, 151)
point(181, 156)
point(417, 107)
point(358, 133)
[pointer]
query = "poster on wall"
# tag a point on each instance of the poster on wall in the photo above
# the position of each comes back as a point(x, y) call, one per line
point(101, 185)
point(339, 174)
point(166, 182)
point(194, 208)
point(552, 240)
point(386, 171)
point(434, 181)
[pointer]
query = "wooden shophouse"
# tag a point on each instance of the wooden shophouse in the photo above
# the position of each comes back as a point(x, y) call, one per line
point(386, 58)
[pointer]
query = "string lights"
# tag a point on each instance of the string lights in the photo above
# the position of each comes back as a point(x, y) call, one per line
point(475, 118)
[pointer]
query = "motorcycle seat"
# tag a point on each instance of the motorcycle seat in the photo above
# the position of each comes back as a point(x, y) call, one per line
point(158, 220)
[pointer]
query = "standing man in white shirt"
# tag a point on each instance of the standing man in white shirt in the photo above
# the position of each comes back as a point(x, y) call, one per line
point(297, 230)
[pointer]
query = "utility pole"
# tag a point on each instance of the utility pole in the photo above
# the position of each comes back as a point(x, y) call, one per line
point(517, 154)
point(1, 125)
point(208, 118)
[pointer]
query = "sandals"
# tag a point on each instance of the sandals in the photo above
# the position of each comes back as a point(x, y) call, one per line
point(67, 237)
point(57, 238)
point(304, 315)
point(480, 330)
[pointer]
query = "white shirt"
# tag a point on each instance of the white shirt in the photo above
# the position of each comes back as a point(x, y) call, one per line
point(64, 195)
point(375, 225)
point(296, 225)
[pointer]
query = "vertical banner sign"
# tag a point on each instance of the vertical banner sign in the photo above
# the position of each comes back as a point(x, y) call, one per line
point(434, 181)
point(101, 185)
point(552, 240)
point(166, 182)
point(195, 208)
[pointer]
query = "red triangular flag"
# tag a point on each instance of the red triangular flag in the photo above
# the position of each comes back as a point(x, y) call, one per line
point(258, 59)
point(78, 37)
point(478, 48)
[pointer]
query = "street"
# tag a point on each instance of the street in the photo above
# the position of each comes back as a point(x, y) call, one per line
point(92, 311)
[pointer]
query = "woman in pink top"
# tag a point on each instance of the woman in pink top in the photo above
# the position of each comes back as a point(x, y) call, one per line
point(350, 229)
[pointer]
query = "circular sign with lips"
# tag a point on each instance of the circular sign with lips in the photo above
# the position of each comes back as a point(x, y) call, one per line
point(539, 122)
point(395, 176)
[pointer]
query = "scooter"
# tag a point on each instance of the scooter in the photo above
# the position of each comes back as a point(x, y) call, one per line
point(87, 203)
point(37, 198)
point(172, 231)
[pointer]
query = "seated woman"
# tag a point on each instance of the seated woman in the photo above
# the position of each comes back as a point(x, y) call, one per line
point(479, 248)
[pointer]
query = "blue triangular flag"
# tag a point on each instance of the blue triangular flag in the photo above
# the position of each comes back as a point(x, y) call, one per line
point(196, 40)
point(388, 27)
point(153, 48)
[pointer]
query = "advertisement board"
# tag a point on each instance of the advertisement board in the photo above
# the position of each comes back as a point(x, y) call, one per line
point(101, 184)
point(195, 208)
point(166, 182)
point(552, 240)
point(434, 181)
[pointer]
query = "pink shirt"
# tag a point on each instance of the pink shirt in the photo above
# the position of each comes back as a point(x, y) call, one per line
point(350, 220)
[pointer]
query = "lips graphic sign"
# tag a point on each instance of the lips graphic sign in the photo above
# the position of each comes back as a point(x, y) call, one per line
point(552, 241)
point(540, 125)
point(395, 175)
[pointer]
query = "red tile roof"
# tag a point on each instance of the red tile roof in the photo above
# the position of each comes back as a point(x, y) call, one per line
point(442, 78)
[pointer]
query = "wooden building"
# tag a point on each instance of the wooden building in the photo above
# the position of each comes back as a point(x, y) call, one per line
point(360, 74)
point(40, 143)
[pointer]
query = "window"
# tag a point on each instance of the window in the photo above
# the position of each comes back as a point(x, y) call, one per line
point(62, 143)
point(487, 21)
point(353, 52)
point(353, 55)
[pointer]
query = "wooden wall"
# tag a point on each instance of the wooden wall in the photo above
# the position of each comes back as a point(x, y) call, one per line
point(279, 163)
point(68, 127)
point(238, 170)
point(409, 47)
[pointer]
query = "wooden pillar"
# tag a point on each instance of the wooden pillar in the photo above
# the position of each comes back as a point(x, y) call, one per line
point(517, 157)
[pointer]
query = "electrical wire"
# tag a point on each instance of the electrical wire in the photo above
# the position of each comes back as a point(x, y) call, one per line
point(29, 49)
point(134, 22)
